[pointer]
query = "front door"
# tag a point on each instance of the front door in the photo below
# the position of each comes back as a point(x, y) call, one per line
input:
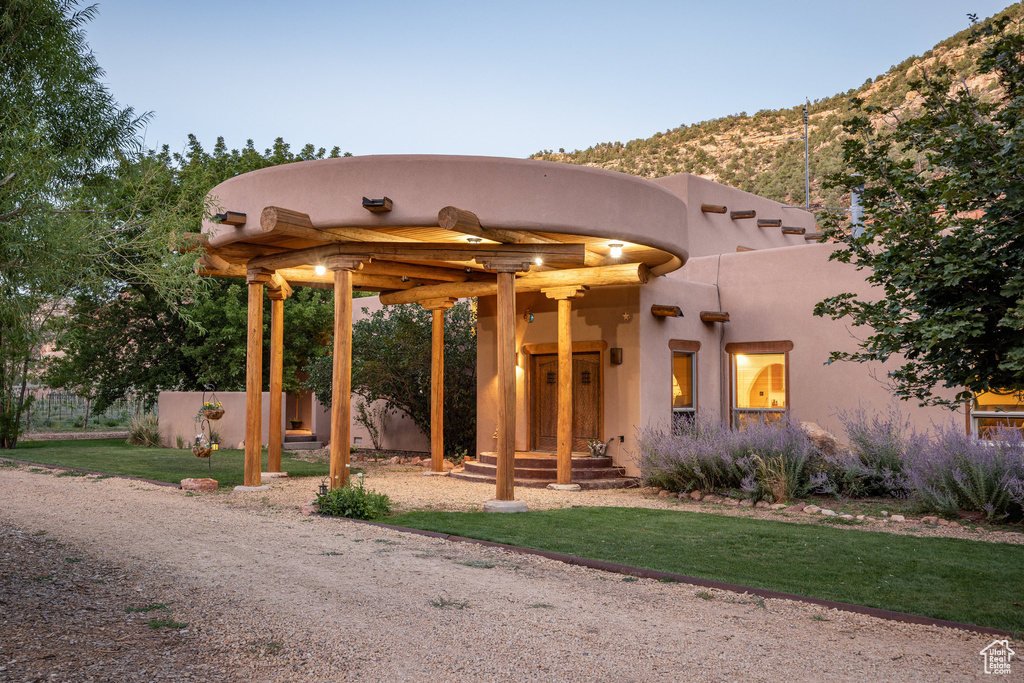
point(586, 400)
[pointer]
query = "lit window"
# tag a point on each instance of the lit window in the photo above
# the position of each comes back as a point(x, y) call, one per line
point(997, 408)
point(684, 385)
point(759, 387)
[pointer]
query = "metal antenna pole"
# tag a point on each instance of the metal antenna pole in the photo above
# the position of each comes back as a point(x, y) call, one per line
point(807, 163)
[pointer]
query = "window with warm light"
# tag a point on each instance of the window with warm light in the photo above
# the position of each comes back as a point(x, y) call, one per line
point(759, 387)
point(684, 385)
point(997, 408)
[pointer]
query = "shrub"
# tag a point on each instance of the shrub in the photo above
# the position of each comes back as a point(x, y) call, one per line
point(766, 460)
point(355, 502)
point(144, 431)
point(694, 454)
point(879, 445)
point(778, 453)
point(956, 471)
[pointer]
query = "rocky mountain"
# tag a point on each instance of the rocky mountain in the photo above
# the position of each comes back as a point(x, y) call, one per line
point(751, 152)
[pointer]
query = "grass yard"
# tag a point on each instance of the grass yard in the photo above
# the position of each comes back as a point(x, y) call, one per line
point(114, 456)
point(945, 578)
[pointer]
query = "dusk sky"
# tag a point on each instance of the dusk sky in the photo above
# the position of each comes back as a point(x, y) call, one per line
point(491, 78)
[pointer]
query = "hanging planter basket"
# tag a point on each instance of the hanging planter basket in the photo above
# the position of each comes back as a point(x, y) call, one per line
point(201, 451)
point(213, 413)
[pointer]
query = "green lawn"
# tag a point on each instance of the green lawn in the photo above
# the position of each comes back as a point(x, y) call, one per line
point(114, 456)
point(960, 580)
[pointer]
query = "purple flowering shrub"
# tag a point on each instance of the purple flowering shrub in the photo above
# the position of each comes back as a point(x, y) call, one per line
point(694, 454)
point(880, 445)
point(765, 460)
point(955, 471)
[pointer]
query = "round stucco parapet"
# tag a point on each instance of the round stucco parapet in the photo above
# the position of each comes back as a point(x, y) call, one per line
point(516, 194)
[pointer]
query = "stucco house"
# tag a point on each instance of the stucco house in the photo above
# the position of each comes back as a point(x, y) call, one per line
point(605, 302)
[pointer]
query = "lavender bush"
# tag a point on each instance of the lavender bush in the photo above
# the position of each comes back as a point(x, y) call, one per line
point(879, 447)
point(694, 454)
point(956, 471)
point(765, 460)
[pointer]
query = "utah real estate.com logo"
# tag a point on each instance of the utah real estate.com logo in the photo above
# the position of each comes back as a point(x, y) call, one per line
point(997, 657)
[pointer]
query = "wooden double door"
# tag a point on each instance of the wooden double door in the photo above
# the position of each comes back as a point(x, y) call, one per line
point(586, 400)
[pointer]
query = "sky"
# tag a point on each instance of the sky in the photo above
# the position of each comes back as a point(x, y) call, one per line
point(490, 77)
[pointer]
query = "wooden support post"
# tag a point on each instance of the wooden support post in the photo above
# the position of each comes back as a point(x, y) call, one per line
point(437, 308)
point(505, 478)
point(564, 295)
point(276, 376)
point(254, 385)
point(341, 381)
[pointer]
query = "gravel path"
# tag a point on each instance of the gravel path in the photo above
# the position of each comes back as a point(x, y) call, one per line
point(269, 595)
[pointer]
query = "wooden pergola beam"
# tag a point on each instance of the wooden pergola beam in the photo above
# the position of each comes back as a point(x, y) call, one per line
point(279, 221)
point(625, 274)
point(737, 215)
point(423, 251)
point(713, 208)
point(459, 220)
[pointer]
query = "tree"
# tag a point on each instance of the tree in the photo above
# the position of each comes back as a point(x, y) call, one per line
point(71, 210)
point(943, 239)
point(128, 339)
point(391, 363)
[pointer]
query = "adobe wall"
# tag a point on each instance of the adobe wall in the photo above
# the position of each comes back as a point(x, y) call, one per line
point(716, 233)
point(606, 314)
point(177, 411)
point(770, 296)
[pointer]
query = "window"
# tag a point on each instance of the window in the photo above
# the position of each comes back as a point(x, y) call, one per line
point(997, 408)
point(760, 381)
point(684, 380)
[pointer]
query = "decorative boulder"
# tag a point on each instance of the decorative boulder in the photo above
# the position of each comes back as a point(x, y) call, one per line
point(824, 441)
point(198, 484)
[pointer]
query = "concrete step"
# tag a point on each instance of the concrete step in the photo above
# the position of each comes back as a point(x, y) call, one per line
point(301, 445)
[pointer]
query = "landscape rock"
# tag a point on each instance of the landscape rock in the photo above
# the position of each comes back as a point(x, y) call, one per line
point(415, 461)
point(811, 509)
point(929, 520)
point(846, 516)
point(393, 460)
point(664, 494)
point(763, 504)
point(241, 445)
point(308, 509)
point(898, 518)
point(824, 441)
point(943, 522)
point(777, 506)
point(198, 484)
point(828, 513)
point(696, 495)
point(448, 465)
point(746, 503)
point(796, 507)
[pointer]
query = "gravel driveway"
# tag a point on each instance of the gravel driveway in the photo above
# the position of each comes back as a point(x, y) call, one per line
point(269, 595)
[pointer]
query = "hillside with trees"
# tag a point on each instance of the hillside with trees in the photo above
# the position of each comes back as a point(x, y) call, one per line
point(756, 152)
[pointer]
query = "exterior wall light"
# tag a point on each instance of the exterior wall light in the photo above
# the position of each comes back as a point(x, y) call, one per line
point(539, 261)
point(616, 249)
point(320, 270)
